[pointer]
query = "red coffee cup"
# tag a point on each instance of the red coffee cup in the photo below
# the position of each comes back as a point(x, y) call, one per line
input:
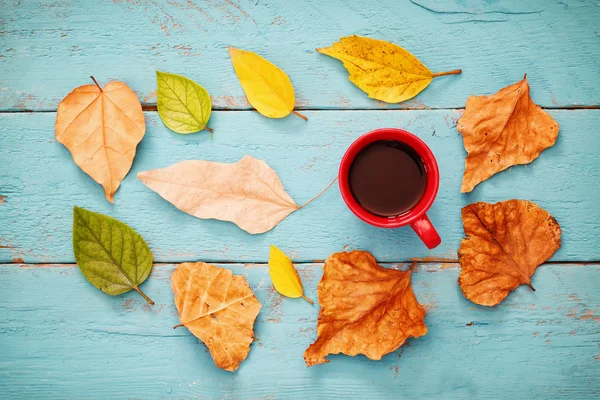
point(415, 217)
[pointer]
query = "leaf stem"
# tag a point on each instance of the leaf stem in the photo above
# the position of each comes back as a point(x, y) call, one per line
point(211, 130)
point(178, 326)
point(412, 266)
point(300, 115)
point(96, 82)
point(453, 72)
point(307, 299)
point(317, 196)
point(137, 289)
point(531, 287)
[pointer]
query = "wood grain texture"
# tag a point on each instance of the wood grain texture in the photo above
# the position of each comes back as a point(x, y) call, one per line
point(61, 338)
point(49, 47)
point(42, 184)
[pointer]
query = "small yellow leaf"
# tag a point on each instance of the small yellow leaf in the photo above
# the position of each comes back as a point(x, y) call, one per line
point(284, 276)
point(383, 70)
point(268, 88)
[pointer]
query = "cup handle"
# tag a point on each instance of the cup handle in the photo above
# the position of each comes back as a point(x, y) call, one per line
point(424, 228)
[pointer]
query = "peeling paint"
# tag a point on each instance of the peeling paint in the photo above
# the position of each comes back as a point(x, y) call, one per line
point(342, 101)
point(302, 101)
point(452, 120)
point(589, 314)
point(6, 245)
point(244, 13)
point(150, 96)
point(230, 102)
point(274, 309)
point(278, 21)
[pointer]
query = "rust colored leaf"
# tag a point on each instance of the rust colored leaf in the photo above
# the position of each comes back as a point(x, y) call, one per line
point(101, 127)
point(502, 130)
point(219, 308)
point(504, 243)
point(365, 309)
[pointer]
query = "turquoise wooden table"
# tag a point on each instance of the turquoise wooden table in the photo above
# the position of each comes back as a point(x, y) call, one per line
point(60, 338)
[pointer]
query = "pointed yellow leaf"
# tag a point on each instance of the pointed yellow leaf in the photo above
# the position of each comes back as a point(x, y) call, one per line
point(383, 70)
point(284, 276)
point(268, 88)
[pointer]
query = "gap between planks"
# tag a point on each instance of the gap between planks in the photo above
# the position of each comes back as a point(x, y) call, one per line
point(152, 107)
point(446, 263)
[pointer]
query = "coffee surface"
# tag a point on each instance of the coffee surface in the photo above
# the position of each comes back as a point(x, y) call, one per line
point(387, 178)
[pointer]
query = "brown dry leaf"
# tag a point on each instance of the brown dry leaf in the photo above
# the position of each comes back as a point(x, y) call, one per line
point(365, 309)
point(503, 130)
point(504, 243)
point(247, 193)
point(101, 127)
point(219, 308)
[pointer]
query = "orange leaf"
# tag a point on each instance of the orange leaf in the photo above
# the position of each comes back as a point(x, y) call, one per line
point(365, 309)
point(503, 130)
point(101, 128)
point(504, 243)
point(219, 308)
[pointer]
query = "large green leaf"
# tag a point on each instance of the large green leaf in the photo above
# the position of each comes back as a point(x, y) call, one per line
point(183, 105)
point(111, 255)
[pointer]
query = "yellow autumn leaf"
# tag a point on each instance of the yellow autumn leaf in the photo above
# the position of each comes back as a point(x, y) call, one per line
point(383, 70)
point(284, 276)
point(267, 87)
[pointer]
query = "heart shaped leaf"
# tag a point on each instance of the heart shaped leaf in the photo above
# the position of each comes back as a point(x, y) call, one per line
point(101, 127)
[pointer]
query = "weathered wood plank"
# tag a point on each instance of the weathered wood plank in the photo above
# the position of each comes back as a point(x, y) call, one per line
point(62, 338)
point(49, 47)
point(42, 184)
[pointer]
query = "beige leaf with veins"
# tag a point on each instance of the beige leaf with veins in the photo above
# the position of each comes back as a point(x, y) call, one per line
point(247, 193)
point(101, 128)
point(219, 308)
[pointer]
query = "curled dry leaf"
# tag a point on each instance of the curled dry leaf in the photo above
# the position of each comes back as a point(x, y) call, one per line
point(267, 87)
point(365, 309)
point(502, 130)
point(247, 193)
point(284, 276)
point(383, 70)
point(504, 243)
point(219, 308)
point(101, 127)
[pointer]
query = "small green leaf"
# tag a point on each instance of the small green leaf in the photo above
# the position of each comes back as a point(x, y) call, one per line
point(183, 105)
point(111, 255)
